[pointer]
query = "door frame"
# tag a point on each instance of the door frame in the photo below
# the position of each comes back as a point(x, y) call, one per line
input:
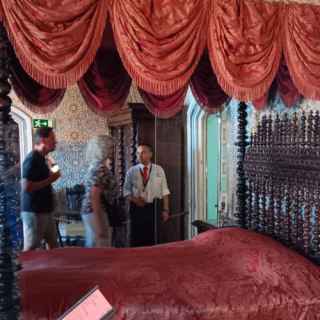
point(24, 122)
point(218, 116)
point(196, 166)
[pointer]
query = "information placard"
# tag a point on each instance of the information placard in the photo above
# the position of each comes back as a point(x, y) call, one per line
point(93, 306)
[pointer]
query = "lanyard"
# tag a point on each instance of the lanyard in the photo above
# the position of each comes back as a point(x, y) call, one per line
point(145, 183)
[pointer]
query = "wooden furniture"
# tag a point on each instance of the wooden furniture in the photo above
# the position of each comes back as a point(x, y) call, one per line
point(134, 124)
point(9, 159)
point(238, 273)
point(279, 179)
point(203, 226)
point(70, 229)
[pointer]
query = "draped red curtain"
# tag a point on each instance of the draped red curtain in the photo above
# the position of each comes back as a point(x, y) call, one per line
point(160, 42)
point(36, 97)
point(164, 106)
point(106, 84)
point(55, 40)
point(205, 87)
point(302, 48)
point(288, 92)
point(244, 41)
point(284, 85)
point(262, 102)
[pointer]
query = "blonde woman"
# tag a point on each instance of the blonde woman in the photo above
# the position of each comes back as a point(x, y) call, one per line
point(101, 188)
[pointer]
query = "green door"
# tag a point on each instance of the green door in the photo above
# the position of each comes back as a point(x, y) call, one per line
point(213, 167)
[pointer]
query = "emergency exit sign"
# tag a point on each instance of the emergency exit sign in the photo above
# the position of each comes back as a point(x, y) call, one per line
point(42, 123)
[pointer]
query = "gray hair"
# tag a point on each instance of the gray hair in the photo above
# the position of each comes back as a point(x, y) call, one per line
point(98, 148)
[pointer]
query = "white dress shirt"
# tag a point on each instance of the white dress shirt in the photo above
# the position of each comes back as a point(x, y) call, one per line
point(156, 187)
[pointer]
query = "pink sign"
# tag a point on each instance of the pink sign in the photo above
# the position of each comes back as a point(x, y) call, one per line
point(93, 306)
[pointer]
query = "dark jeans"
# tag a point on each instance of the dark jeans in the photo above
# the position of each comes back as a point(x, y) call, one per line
point(144, 228)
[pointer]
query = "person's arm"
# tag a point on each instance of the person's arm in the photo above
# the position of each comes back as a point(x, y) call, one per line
point(98, 212)
point(137, 201)
point(165, 196)
point(165, 210)
point(30, 186)
point(166, 203)
point(29, 170)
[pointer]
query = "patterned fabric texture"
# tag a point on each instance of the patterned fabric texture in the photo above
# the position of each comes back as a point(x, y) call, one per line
point(100, 176)
point(224, 274)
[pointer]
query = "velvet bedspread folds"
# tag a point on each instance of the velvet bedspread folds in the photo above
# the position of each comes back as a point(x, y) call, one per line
point(223, 274)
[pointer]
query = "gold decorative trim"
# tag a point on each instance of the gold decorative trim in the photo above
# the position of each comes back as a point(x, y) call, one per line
point(310, 2)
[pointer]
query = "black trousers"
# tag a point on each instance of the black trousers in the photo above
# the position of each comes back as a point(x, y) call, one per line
point(145, 224)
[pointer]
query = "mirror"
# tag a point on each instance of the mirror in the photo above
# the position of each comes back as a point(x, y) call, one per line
point(191, 166)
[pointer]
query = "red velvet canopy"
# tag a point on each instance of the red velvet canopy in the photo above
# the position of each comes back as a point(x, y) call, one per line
point(163, 46)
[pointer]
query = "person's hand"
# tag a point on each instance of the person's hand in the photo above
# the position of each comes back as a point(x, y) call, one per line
point(55, 176)
point(50, 161)
point(165, 216)
point(138, 201)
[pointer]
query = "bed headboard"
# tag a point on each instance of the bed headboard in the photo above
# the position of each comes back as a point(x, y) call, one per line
point(279, 179)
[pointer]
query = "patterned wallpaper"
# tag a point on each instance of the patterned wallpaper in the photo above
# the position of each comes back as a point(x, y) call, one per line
point(75, 124)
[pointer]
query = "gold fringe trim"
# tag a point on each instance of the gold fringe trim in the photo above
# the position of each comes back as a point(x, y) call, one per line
point(104, 113)
point(304, 87)
point(206, 108)
point(240, 93)
point(40, 109)
point(309, 2)
point(164, 114)
point(69, 78)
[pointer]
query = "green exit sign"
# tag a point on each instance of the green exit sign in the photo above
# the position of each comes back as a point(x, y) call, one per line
point(42, 123)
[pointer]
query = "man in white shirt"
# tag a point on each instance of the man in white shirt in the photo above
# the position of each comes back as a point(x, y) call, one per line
point(144, 186)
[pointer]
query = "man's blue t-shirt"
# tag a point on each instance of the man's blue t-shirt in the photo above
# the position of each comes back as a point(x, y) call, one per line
point(35, 169)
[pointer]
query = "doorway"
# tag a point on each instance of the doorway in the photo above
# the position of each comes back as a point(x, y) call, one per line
point(203, 165)
point(213, 167)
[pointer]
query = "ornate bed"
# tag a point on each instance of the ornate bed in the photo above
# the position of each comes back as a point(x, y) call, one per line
point(227, 273)
point(224, 274)
point(279, 179)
